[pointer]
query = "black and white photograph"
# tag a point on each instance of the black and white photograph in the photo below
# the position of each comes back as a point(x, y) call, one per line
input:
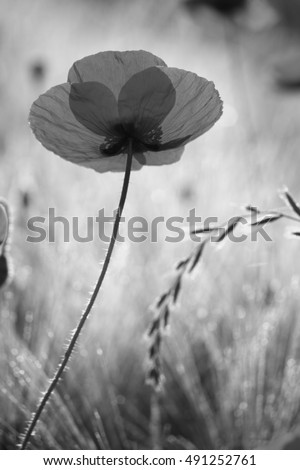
point(149, 232)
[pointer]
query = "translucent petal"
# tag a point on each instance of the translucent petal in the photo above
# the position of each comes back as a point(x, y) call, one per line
point(112, 68)
point(165, 157)
point(95, 107)
point(144, 101)
point(115, 163)
point(56, 127)
point(197, 108)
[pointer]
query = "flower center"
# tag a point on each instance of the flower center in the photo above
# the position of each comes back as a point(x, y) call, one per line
point(140, 142)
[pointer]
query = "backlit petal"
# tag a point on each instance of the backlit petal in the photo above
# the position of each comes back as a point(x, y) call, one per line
point(95, 107)
point(112, 68)
point(116, 163)
point(144, 101)
point(197, 108)
point(56, 127)
point(165, 157)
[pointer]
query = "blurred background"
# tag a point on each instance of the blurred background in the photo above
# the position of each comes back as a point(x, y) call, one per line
point(231, 356)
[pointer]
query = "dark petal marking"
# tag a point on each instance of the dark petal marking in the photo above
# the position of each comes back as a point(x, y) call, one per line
point(113, 147)
point(173, 144)
point(155, 145)
point(153, 137)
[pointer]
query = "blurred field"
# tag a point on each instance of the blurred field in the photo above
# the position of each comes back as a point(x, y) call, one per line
point(231, 357)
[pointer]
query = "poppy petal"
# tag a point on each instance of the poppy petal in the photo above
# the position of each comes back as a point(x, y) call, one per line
point(144, 101)
point(172, 144)
point(198, 106)
point(117, 163)
point(112, 68)
point(165, 157)
point(56, 127)
point(95, 107)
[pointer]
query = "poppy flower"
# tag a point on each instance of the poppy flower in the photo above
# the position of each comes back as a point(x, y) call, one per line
point(120, 111)
point(113, 97)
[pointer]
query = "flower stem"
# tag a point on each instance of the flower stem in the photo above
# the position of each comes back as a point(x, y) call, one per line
point(89, 307)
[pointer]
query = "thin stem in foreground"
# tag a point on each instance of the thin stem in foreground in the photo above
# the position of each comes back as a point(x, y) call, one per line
point(89, 307)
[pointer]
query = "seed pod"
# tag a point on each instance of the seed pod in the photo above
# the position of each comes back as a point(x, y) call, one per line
point(4, 234)
point(4, 225)
point(4, 271)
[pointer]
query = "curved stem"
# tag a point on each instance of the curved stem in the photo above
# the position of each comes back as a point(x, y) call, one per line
point(89, 307)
